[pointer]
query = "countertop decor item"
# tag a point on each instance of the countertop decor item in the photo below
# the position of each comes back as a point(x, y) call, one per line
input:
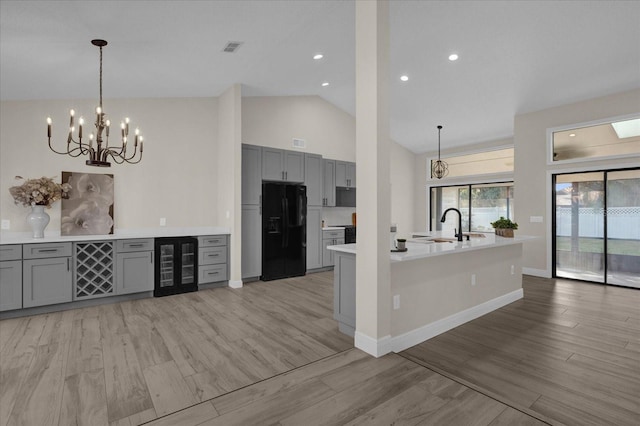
point(504, 227)
point(439, 168)
point(100, 153)
point(38, 194)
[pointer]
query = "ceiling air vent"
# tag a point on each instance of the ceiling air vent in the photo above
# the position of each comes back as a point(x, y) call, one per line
point(232, 46)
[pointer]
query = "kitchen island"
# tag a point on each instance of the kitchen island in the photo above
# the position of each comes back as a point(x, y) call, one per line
point(436, 286)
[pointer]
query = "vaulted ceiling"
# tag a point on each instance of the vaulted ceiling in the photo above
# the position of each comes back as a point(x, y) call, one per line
point(514, 57)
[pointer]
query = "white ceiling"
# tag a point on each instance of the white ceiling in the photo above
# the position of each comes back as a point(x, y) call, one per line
point(515, 57)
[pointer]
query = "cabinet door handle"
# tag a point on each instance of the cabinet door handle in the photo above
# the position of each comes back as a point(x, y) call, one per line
point(47, 250)
point(213, 254)
point(136, 245)
point(212, 273)
point(68, 264)
point(260, 205)
point(282, 174)
point(286, 175)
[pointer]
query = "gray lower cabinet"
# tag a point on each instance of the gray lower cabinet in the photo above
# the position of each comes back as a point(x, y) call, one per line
point(134, 265)
point(313, 170)
point(330, 238)
point(314, 237)
point(329, 183)
point(344, 292)
point(47, 276)
point(213, 253)
point(46, 281)
point(251, 241)
point(10, 285)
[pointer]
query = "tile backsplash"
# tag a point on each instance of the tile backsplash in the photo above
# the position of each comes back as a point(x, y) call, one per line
point(337, 215)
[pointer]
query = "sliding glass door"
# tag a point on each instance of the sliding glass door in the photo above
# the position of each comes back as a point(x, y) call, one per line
point(597, 226)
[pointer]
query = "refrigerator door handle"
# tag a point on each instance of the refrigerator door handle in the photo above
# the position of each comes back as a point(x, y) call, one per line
point(283, 201)
point(286, 223)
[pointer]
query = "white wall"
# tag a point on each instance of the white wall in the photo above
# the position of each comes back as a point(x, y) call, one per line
point(176, 178)
point(330, 132)
point(532, 186)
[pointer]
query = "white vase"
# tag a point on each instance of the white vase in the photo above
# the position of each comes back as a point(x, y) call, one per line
point(38, 219)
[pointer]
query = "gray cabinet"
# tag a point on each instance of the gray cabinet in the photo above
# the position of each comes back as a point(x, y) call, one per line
point(329, 183)
point(213, 252)
point(251, 241)
point(282, 165)
point(313, 171)
point(330, 238)
point(46, 273)
point(134, 266)
point(345, 174)
point(314, 237)
point(10, 277)
point(251, 174)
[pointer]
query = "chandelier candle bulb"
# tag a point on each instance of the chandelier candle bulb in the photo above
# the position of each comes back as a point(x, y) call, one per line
point(80, 128)
point(49, 127)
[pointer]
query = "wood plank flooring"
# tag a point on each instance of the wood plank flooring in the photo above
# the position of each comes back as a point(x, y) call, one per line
point(270, 353)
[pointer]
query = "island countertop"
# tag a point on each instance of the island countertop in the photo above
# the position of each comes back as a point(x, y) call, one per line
point(420, 246)
point(119, 234)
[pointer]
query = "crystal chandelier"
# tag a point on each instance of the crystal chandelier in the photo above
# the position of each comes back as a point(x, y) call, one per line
point(100, 152)
point(439, 168)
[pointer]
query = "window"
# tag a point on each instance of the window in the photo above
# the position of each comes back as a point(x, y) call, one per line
point(480, 204)
point(479, 163)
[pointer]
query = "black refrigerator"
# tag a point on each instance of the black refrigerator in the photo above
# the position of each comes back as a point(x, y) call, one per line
point(284, 230)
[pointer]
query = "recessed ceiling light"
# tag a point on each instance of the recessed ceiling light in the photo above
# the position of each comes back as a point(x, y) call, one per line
point(404, 77)
point(572, 135)
point(325, 84)
point(318, 56)
point(453, 57)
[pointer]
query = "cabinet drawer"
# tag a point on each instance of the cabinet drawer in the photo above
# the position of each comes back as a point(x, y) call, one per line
point(140, 244)
point(39, 251)
point(212, 273)
point(332, 234)
point(212, 255)
point(212, 241)
point(13, 252)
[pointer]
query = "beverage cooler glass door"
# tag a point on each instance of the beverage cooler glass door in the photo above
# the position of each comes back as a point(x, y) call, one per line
point(167, 260)
point(188, 263)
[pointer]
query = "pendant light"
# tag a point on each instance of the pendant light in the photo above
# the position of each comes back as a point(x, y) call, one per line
point(439, 168)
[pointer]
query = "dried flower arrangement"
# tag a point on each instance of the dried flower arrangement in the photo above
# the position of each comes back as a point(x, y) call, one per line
point(39, 192)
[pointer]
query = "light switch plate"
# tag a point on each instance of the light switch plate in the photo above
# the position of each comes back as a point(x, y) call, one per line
point(163, 221)
point(535, 219)
point(6, 224)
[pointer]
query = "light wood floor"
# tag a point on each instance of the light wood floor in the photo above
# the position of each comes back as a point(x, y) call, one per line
point(270, 353)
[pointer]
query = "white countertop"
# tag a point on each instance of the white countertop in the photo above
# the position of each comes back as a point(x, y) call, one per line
point(333, 228)
point(119, 234)
point(420, 250)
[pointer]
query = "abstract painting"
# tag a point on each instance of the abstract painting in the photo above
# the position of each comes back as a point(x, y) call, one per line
point(88, 210)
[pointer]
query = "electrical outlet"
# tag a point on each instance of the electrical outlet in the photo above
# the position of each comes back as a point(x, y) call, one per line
point(396, 301)
point(228, 214)
point(473, 279)
point(163, 221)
point(513, 270)
point(6, 224)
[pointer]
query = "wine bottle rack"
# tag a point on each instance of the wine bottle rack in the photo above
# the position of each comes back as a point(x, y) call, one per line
point(94, 269)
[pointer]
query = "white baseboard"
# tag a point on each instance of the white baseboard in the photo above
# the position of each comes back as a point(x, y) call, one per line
point(536, 272)
point(426, 332)
point(235, 283)
point(374, 347)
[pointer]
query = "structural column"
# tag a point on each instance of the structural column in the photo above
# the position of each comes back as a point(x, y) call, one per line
point(373, 286)
point(229, 165)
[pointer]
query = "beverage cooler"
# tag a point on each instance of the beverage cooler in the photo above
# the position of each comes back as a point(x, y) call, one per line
point(176, 265)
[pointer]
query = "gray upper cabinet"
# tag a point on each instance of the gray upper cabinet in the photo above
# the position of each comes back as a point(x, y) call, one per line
point(251, 174)
point(345, 174)
point(329, 183)
point(313, 168)
point(282, 165)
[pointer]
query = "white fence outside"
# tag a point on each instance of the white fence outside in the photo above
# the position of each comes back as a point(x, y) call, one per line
point(623, 222)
